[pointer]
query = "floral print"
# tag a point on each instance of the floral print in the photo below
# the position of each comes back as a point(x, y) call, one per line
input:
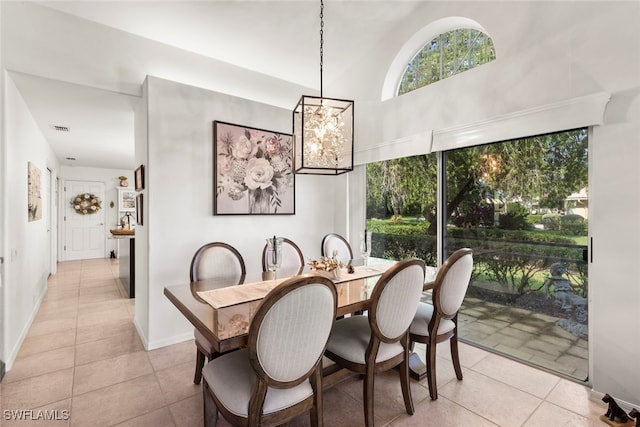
point(253, 165)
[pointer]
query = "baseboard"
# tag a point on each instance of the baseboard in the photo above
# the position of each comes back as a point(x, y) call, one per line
point(176, 339)
point(13, 353)
point(143, 337)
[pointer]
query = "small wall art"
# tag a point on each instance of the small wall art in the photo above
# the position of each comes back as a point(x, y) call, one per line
point(139, 208)
point(34, 192)
point(253, 171)
point(139, 178)
point(126, 200)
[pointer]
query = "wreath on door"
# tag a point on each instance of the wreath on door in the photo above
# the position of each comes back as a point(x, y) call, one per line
point(86, 203)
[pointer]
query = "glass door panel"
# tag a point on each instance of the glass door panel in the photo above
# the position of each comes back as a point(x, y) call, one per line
point(522, 206)
point(402, 208)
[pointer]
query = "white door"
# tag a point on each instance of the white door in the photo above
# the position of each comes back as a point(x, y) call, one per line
point(84, 233)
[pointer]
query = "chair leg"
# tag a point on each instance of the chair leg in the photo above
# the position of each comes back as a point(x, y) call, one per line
point(406, 388)
point(431, 370)
point(199, 365)
point(318, 407)
point(209, 407)
point(455, 357)
point(369, 397)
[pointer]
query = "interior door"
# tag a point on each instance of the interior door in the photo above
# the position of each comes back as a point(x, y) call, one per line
point(84, 233)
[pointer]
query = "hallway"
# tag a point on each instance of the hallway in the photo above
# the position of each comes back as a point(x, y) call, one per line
point(83, 358)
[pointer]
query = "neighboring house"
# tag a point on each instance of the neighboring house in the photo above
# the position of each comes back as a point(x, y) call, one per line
point(578, 203)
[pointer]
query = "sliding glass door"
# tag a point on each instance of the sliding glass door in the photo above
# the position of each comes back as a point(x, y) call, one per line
point(522, 206)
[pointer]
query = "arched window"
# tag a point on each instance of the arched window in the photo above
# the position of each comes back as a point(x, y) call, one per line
point(449, 53)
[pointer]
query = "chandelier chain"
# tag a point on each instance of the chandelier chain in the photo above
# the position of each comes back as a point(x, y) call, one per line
point(321, 41)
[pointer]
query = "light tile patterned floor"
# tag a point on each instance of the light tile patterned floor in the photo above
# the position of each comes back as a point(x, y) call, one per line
point(83, 355)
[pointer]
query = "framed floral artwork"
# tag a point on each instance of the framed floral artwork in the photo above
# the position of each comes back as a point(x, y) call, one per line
point(253, 171)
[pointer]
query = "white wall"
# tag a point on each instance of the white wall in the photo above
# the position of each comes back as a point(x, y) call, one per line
point(179, 198)
point(111, 183)
point(27, 245)
point(141, 315)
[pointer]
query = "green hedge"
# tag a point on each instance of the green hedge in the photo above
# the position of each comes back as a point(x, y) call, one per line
point(551, 221)
point(515, 260)
point(574, 225)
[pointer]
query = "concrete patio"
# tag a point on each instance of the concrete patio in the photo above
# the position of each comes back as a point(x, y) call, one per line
point(532, 337)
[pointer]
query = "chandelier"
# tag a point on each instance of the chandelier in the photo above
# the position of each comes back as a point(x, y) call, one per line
point(323, 130)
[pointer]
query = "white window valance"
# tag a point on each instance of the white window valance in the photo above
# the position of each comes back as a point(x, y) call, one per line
point(564, 115)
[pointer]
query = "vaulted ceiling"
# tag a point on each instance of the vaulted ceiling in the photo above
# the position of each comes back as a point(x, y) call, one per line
point(276, 38)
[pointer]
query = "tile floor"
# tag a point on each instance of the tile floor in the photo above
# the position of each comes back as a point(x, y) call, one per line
point(82, 355)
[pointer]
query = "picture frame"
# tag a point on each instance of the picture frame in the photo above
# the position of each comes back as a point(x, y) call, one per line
point(139, 208)
point(126, 200)
point(253, 171)
point(139, 178)
point(34, 192)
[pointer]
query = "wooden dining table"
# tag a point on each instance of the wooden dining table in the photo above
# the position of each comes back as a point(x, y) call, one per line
point(222, 311)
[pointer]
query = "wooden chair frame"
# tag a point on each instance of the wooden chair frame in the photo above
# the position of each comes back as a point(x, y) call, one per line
point(203, 352)
point(256, 403)
point(370, 368)
point(335, 236)
point(195, 261)
point(433, 339)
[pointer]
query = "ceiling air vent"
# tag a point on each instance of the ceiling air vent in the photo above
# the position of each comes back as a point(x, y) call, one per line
point(60, 128)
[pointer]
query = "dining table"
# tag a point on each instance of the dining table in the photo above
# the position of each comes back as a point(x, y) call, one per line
point(221, 309)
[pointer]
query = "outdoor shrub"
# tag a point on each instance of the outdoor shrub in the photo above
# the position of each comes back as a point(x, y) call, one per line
point(477, 214)
point(405, 227)
point(578, 276)
point(508, 235)
point(515, 218)
point(513, 259)
point(396, 218)
point(551, 221)
point(534, 218)
point(512, 271)
point(574, 225)
point(394, 246)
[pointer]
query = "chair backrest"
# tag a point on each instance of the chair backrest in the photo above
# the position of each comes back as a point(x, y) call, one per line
point(332, 242)
point(217, 260)
point(292, 258)
point(289, 333)
point(395, 299)
point(452, 282)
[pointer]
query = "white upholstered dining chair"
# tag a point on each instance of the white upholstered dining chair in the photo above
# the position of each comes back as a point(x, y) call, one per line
point(379, 341)
point(335, 242)
point(292, 258)
point(214, 260)
point(438, 322)
point(278, 376)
